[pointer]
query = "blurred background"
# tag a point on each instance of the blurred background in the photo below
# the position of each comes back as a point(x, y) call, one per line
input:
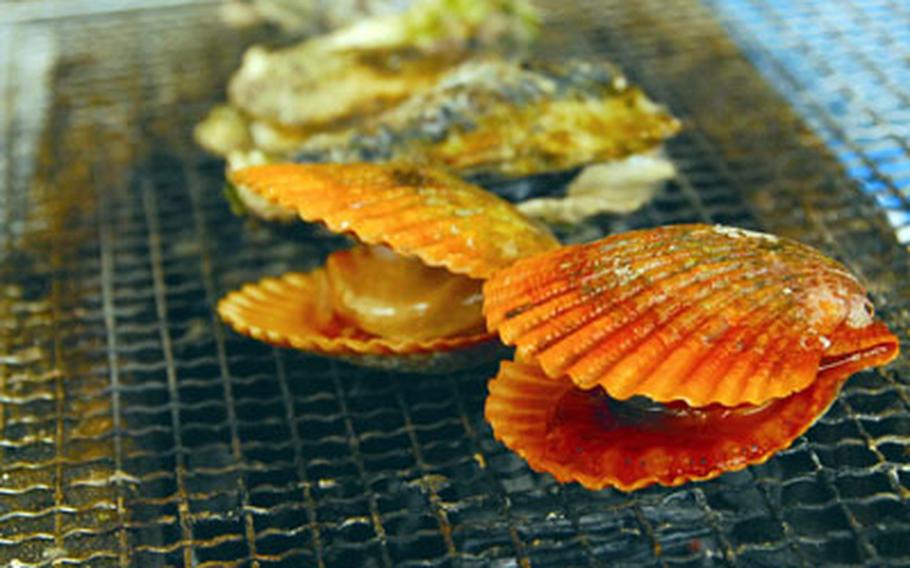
point(136, 430)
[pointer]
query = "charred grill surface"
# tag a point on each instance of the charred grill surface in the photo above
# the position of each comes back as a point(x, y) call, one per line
point(136, 430)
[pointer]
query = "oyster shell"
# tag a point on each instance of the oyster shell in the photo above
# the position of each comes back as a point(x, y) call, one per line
point(489, 119)
point(497, 121)
point(365, 67)
point(508, 118)
point(313, 86)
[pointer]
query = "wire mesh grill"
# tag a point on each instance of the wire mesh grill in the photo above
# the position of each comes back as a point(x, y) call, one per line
point(135, 430)
point(854, 48)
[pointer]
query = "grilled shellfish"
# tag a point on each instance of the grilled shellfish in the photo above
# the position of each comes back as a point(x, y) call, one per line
point(508, 119)
point(673, 354)
point(412, 289)
point(280, 97)
point(496, 120)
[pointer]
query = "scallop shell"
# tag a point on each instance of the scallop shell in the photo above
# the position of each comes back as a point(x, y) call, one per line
point(578, 435)
point(416, 211)
point(295, 311)
point(697, 313)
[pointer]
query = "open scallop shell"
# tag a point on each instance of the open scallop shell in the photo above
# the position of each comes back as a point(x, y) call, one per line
point(416, 211)
point(581, 436)
point(696, 313)
point(295, 311)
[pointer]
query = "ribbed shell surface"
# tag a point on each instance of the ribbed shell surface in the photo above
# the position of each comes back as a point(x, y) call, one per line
point(697, 313)
point(293, 311)
point(420, 212)
point(576, 435)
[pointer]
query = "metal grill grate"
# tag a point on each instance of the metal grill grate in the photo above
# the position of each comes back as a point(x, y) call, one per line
point(853, 48)
point(135, 430)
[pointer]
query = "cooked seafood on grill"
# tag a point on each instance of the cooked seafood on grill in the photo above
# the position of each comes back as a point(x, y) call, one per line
point(411, 290)
point(280, 97)
point(620, 186)
point(673, 354)
point(507, 119)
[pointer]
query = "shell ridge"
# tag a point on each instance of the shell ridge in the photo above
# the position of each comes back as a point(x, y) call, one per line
point(668, 255)
point(764, 372)
point(715, 365)
point(508, 328)
point(606, 364)
point(714, 354)
point(580, 268)
point(545, 332)
point(507, 396)
point(513, 314)
point(528, 276)
point(410, 202)
point(371, 210)
point(682, 314)
point(584, 270)
point(604, 335)
point(628, 458)
point(404, 219)
point(410, 233)
point(651, 290)
point(522, 279)
point(771, 353)
point(764, 299)
point(510, 313)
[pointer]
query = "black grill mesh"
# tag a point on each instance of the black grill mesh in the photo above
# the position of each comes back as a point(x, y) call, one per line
point(135, 430)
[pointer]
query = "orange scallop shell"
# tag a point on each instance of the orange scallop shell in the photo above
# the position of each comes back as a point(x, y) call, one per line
point(294, 310)
point(578, 435)
point(416, 211)
point(696, 313)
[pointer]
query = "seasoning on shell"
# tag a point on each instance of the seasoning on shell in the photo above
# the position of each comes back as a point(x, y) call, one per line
point(673, 354)
point(414, 289)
